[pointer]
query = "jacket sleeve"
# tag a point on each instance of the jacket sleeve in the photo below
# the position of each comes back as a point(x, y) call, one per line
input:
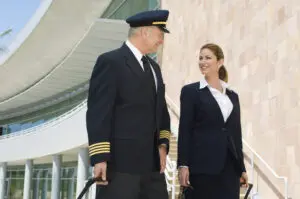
point(101, 98)
point(165, 127)
point(185, 126)
point(240, 141)
point(165, 133)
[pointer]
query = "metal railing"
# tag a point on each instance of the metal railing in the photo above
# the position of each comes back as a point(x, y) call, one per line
point(254, 155)
point(171, 179)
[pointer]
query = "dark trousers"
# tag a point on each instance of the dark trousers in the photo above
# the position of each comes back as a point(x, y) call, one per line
point(130, 186)
point(221, 186)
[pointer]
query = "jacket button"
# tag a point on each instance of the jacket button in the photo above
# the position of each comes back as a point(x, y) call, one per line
point(223, 129)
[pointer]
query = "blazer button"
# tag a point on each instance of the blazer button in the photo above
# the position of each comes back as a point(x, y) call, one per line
point(224, 129)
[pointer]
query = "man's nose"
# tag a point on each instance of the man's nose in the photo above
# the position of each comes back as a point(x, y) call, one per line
point(161, 41)
point(162, 37)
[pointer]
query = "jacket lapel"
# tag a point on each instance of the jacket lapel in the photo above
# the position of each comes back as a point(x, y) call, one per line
point(213, 103)
point(131, 61)
point(157, 75)
point(160, 87)
point(230, 95)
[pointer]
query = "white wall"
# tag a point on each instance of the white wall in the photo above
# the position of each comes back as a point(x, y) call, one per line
point(68, 134)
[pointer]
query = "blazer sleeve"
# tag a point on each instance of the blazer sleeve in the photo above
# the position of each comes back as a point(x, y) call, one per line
point(185, 126)
point(240, 141)
point(101, 98)
point(165, 133)
point(165, 127)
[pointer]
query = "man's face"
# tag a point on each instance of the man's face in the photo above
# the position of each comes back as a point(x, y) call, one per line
point(154, 37)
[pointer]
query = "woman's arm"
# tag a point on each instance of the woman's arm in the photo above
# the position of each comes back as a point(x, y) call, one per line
point(185, 125)
point(240, 141)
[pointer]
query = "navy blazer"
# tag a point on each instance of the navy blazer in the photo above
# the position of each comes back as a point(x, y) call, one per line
point(204, 138)
point(120, 113)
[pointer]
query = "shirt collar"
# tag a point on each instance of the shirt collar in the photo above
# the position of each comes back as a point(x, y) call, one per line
point(138, 55)
point(203, 84)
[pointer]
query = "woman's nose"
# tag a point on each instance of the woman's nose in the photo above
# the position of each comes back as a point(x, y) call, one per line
point(202, 62)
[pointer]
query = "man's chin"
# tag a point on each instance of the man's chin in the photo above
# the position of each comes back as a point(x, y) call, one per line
point(155, 49)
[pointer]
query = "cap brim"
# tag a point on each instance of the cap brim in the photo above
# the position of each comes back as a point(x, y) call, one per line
point(164, 29)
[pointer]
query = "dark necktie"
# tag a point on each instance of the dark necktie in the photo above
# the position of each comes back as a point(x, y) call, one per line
point(147, 67)
point(148, 71)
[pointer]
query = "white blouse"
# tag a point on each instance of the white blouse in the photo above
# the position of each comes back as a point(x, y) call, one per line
point(222, 99)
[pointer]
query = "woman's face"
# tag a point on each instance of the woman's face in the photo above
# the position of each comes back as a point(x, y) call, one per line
point(208, 63)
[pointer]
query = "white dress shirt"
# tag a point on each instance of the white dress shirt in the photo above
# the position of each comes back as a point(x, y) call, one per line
point(138, 55)
point(222, 99)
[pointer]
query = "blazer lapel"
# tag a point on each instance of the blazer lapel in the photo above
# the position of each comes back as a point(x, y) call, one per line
point(229, 94)
point(212, 101)
point(131, 61)
point(158, 80)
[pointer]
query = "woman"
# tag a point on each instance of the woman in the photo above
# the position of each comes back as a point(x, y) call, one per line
point(210, 156)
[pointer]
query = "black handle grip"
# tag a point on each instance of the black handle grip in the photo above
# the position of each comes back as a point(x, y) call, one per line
point(248, 190)
point(89, 183)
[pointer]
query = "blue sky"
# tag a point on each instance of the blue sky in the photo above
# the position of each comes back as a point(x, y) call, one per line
point(15, 14)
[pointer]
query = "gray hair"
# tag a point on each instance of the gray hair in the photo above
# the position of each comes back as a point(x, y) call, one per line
point(132, 31)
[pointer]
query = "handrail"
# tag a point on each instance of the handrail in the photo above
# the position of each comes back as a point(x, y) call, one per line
point(171, 168)
point(55, 121)
point(175, 109)
point(285, 179)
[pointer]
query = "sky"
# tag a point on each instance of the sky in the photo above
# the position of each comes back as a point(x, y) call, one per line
point(15, 14)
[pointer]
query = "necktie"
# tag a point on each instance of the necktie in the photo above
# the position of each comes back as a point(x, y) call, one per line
point(147, 70)
point(147, 67)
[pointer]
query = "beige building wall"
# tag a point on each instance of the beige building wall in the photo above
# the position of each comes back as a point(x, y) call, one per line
point(261, 42)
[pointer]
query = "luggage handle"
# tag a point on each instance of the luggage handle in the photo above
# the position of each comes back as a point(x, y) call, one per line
point(248, 190)
point(88, 184)
point(91, 181)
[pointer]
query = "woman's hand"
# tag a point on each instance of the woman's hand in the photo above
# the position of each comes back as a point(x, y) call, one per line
point(244, 179)
point(184, 176)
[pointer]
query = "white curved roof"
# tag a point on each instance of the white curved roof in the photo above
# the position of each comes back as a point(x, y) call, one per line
point(58, 55)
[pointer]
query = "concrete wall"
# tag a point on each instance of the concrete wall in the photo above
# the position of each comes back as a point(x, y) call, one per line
point(64, 134)
point(261, 42)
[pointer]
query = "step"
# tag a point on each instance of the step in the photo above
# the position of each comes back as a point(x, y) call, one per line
point(173, 151)
point(173, 147)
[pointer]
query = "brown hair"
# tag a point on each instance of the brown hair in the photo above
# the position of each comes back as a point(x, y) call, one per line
point(218, 52)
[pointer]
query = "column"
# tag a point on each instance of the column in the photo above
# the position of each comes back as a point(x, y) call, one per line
point(36, 185)
point(27, 179)
point(82, 169)
point(3, 168)
point(56, 175)
point(45, 188)
point(71, 184)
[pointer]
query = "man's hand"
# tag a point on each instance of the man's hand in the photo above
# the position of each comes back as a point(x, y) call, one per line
point(244, 179)
point(163, 157)
point(184, 176)
point(100, 172)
